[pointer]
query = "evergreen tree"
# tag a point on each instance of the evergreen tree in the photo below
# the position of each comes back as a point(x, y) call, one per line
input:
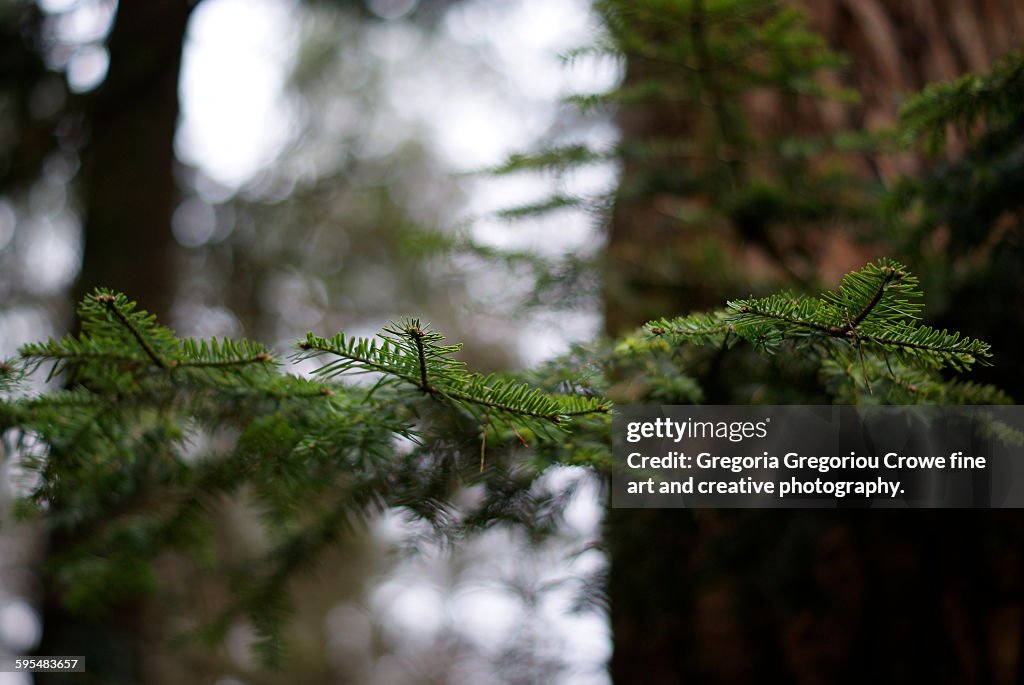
point(129, 462)
point(125, 457)
point(963, 214)
point(264, 253)
point(150, 431)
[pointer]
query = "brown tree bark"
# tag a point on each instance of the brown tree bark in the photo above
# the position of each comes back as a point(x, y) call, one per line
point(128, 192)
point(808, 597)
point(895, 47)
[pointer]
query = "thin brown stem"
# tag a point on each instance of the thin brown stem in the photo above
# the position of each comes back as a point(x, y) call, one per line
point(109, 301)
point(875, 299)
point(417, 336)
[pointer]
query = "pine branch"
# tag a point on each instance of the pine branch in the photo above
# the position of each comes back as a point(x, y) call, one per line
point(553, 159)
point(700, 329)
point(938, 348)
point(110, 301)
point(413, 354)
point(544, 207)
point(131, 346)
point(995, 96)
point(223, 354)
point(873, 309)
point(70, 353)
point(126, 452)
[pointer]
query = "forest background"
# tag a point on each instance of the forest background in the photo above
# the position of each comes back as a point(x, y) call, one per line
point(727, 157)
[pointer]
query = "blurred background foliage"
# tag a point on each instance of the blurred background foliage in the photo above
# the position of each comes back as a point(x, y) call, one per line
point(726, 147)
point(326, 230)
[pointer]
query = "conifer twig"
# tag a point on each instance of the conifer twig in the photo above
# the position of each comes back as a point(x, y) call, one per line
point(226, 363)
point(410, 352)
point(417, 335)
point(875, 299)
point(110, 302)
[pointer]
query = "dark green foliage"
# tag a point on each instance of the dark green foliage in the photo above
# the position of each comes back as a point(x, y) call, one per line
point(961, 218)
point(868, 324)
point(131, 455)
point(411, 353)
point(870, 311)
point(971, 194)
point(151, 431)
point(992, 99)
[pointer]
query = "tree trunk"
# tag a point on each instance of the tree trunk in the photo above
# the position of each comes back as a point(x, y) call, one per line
point(808, 597)
point(129, 191)
point(128, 197)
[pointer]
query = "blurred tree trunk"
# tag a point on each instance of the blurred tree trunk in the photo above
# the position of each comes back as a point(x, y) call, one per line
point(129, 192)
point(868, 596)
point(894, 48)
point(128, 195)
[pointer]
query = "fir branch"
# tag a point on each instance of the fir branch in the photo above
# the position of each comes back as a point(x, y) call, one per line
point(34, 353)
point(883, 292)
point(553, 159)
point(702, 329)
point(769, 309)
point(110, 302)
point(412, 353)
point(543, 207)
point(876, 297)
point(223, 354)
point(942, 347)
point(518, 399)
point(873, 308)
point(995, 96)
point(417, 335)
point(12, 374)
